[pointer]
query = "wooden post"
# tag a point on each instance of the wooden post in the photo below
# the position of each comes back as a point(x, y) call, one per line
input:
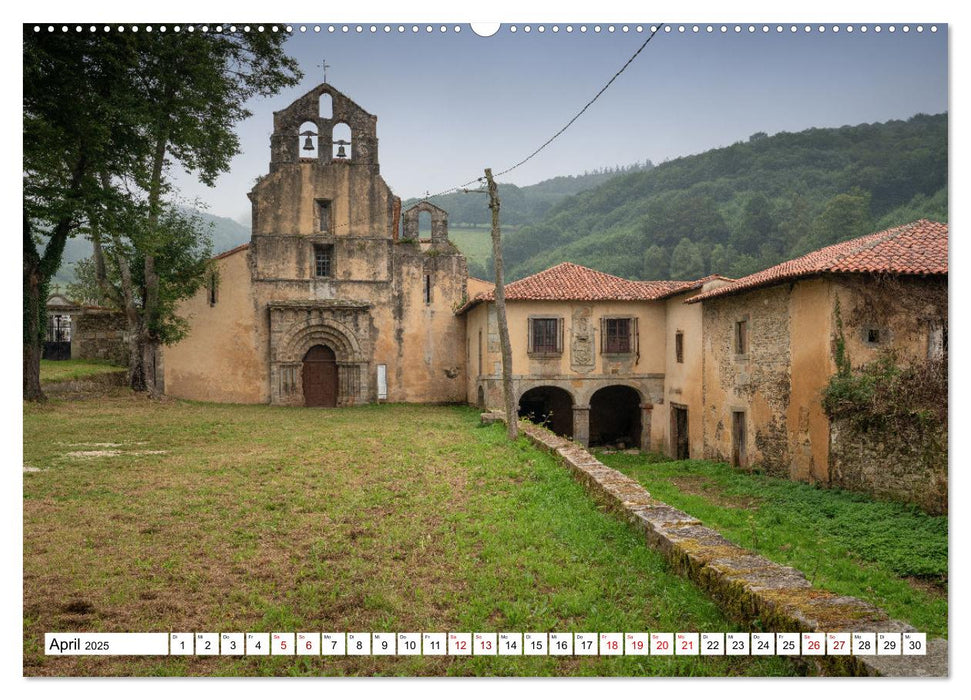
point(512, 418)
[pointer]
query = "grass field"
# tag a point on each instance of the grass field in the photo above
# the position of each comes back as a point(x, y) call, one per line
point(475, 243)
point(891, 555)
point(68, 370)
point(175, 516)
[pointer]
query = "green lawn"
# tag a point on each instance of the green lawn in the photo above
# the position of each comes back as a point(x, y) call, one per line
point(177, 516)
point(68, 370)
point(891, 555)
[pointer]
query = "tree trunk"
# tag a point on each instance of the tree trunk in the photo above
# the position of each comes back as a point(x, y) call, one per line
point(150, 302)
point(38, 271)
point(512, 417)
point(32, 332)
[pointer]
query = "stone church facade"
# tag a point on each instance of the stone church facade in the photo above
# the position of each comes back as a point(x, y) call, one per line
point(336, 301)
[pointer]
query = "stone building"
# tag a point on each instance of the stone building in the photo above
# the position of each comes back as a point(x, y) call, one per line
point(336, 300)
point(770, 349)
point(732, 370)
point(589, 352)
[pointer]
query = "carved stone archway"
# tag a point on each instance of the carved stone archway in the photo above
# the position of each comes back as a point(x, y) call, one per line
point(342, 326)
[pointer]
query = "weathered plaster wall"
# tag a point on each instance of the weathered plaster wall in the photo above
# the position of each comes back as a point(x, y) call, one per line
point(477, 286)
point(902, 309)
point(811, 323)
point(904, 460)
point(756, 382)
point(221, 358)
point(682, 380)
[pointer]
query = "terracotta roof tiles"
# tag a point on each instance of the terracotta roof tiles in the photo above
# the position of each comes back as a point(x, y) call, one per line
point(570, 282)
point(918, 248)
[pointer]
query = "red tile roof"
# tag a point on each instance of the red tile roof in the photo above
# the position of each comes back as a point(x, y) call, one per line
point(570, 282)
point(918, 248)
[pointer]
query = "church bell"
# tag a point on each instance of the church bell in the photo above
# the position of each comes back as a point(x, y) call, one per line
point(308, 145)
point(341, 152)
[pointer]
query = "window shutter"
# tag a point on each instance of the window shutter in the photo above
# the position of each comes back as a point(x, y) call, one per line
point(559, 334)
point(635, 339)
point(603, 333)
point(529, 334)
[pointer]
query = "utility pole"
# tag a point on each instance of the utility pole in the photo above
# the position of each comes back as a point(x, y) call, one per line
point(512, 419)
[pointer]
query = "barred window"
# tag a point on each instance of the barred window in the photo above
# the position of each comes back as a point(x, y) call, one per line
point(545, 336)
point(679, 346)
point(323, 260)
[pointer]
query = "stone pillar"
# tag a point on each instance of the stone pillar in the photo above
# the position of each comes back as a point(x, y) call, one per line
point(646, 410)
point(581, 425)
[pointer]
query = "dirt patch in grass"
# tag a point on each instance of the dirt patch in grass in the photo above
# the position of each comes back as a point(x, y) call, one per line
point(699, 486)
point(933, 586)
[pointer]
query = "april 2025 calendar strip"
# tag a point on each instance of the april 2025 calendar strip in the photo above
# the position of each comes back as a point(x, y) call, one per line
point(485, 644)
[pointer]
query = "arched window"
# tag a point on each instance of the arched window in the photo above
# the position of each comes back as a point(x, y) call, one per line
point(307, 144)
point(342, 142)
point(326, 106)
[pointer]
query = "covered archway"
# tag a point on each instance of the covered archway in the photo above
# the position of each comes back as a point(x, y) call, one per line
point(320, 377)
point(549, 406)
point(615, 417)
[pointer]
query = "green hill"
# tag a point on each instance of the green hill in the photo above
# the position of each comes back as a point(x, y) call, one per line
point(522, 205)
point(738, 209)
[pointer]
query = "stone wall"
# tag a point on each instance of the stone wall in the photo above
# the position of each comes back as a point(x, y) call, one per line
point(906, 465)
point(748, 587)
point(100, 335)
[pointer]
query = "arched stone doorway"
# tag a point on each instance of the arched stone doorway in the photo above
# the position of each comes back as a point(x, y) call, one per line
point(549, 406)
point(615, 417)
point(320, 377)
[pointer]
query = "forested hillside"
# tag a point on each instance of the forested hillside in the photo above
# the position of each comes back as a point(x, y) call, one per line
point(738, 209)
point(523, 205)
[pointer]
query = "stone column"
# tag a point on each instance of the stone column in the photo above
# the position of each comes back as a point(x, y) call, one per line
point(646, 409)
point(581, 425)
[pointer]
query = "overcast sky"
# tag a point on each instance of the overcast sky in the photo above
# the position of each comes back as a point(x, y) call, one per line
point(450, 104)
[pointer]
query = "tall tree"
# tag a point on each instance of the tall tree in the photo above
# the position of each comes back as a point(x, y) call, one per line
point(73, 94)
point(192, 91)
point(105, 118)
point(655, 263)
point(687, 262)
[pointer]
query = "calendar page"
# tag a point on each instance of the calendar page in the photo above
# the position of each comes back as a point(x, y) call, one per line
point(536, 349)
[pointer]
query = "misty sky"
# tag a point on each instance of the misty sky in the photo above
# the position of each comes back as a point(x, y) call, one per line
point(450, 104)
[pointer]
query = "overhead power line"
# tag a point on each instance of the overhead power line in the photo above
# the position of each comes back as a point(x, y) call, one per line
point(552, 138)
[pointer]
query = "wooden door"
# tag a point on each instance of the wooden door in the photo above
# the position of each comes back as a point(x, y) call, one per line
point(320, 377)
point(681, 433)
point(738, 439)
